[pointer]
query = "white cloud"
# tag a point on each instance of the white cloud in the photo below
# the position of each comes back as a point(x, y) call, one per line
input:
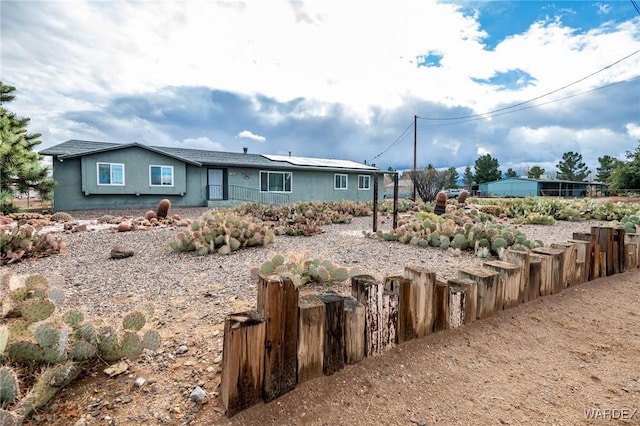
point(201, 142)
point(246, 134)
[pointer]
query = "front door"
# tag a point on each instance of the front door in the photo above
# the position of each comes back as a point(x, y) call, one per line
point(215, 184)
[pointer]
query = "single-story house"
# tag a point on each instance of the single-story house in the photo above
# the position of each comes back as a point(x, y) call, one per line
point(92, 175)
point(525, 187)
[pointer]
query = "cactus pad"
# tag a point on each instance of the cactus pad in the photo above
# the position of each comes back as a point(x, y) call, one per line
point(9, 385)
point(24, 351)
point(34, 310)
point(134, 321)
point(82, 350)
point(131, 345)
point(73, 318)
point(151, 340)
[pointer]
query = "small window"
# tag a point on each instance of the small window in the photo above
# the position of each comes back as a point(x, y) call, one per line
point(275, 181)
point(364, 182)
point(110, 174)
point(340, 182)
point(161, 175)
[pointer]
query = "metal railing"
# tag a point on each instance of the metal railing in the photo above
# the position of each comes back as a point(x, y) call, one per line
point(241, 193)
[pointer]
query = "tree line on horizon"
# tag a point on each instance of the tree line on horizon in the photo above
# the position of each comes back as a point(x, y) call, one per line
point(616, 174)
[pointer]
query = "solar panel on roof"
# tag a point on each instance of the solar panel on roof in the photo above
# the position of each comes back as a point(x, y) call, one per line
point(318, 162)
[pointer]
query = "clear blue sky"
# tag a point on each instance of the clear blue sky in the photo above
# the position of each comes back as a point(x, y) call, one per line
point(333, 79)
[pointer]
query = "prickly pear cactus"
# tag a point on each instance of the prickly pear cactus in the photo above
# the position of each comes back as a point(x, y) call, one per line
point(9, 386)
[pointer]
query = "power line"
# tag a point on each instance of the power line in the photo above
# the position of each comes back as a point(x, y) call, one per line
point(606, 86)
point(635, 5)
point(395, 142)
point(537, 97)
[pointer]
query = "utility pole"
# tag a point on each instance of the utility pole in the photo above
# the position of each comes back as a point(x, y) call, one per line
point(415, 155)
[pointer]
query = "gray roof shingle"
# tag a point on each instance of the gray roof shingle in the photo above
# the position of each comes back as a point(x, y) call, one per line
point(74, 148)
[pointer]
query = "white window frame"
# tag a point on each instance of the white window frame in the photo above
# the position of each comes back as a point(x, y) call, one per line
point(335, 181)
point(362, 179)
point(101, 163)
point(161, 174)
point(268, 173)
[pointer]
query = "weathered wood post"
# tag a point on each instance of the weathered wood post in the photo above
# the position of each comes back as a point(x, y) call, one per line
point(546, 272)
point(441, 306)
point(520, 258)
point(402, 287)
point(421, 299)
point(311, 321)
point(593, 254)
point(535, 276)
point(463, 299)
point(389, 319)
point(635, 239)
point(569, 263)
point(487, 285)
point(242, 361)
point(354, 320)
point(366, 290)
point(278, 304)
point(583, 260)
point(333, 359)
point(509, 278)
point(557, 266)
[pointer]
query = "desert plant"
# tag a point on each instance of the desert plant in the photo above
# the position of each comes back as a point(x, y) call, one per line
point(163, 208)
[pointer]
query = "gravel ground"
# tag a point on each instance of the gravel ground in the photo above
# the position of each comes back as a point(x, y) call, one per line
point(192, 295)
point(103, 286)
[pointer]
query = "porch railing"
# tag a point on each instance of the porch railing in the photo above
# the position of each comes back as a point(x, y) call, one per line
point(241, 193)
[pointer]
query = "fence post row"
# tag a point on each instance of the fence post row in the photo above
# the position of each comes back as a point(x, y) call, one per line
point(290, 339)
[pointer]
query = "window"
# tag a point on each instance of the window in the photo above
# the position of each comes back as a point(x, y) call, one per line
point(275, 181)
point(364, 182)
point(161, 175)
point(110, 174)
point(340, 182)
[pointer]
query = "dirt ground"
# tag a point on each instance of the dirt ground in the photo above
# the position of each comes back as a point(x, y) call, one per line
point(567, 359)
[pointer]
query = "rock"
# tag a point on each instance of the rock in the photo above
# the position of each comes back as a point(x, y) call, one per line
point(80, 228)
point(182, 349)
point(125, 226)
point(139, 382)
point(120, 252)
point(198, 395)
point(116, 369)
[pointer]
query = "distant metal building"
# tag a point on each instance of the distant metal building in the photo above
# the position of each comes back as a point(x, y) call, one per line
point(524, 187)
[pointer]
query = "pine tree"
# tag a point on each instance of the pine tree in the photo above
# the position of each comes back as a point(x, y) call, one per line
point(607, 165)
point(20, 165)
point(487, 169)
point(535, 172)
point(626, 175)
point(510, 173)
point(452, 178)
point(468, 178)
point(571, 167)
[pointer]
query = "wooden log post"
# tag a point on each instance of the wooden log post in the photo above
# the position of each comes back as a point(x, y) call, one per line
point(557, 266)
point(463, 299)
point(487, 285)
point(354, 320)
point(333, 359)
point(618, 250)
point(631, 260)
point(368, 291)
point(421, 298)
point(569, 264)
point(592, 256)
point(389, 319)
point(278, 304)
point(522, 259)
point(402, 287)
point(509, 278)
point(441, 306)
point(635, 238)
point(242, 361)
point(535, 277)
point(546, 272)
point(605, 241)
point(311, 321)
point(582, 260)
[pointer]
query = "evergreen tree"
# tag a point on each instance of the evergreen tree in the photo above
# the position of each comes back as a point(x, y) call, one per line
point(627, 173)
point(20, 165)
point(510, 173)
point(452, 178)
point(487, 169)
point(535, 172)
point(571, 167)
point(607, 165)
point(467, 177)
